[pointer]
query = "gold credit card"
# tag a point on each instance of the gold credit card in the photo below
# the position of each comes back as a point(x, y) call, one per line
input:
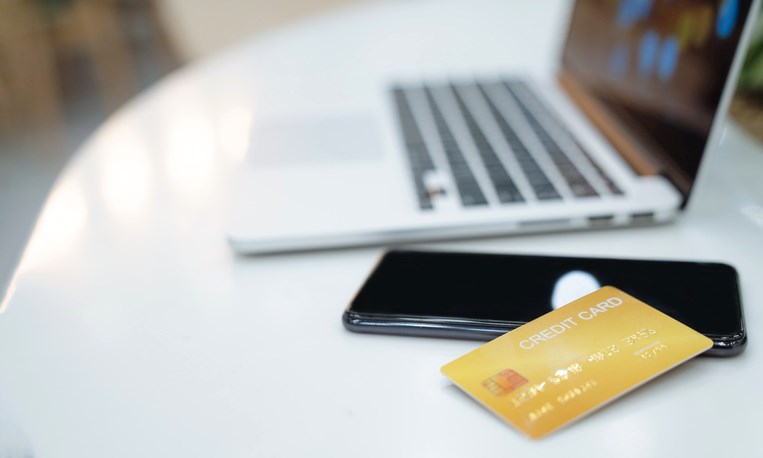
point(573, 360)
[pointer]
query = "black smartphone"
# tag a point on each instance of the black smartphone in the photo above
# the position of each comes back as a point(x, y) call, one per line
point(482, 296)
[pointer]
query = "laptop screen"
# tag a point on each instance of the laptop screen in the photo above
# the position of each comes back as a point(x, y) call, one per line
point(658, 70)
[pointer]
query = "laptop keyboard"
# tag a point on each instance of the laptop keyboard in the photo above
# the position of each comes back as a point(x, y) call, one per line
point(495, 142)
point(504, 186)
point(418, 153)
point(578, 184)
point(467, 185)
point(538, 180)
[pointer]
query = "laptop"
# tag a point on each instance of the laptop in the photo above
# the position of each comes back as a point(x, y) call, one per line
point(640, 96)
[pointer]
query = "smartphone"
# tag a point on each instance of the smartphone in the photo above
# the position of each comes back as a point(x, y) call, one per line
point(482, 296)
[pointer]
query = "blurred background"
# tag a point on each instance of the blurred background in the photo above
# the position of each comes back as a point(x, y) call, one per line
point(66, 65)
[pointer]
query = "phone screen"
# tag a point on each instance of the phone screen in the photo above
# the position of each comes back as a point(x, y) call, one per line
point(518, 289)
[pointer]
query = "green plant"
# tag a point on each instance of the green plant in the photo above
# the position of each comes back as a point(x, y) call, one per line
point(751, 77)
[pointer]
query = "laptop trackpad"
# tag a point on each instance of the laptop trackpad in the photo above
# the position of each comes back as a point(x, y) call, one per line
point(304, 141)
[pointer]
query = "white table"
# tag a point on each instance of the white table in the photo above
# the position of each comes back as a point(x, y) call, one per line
point(135, 330)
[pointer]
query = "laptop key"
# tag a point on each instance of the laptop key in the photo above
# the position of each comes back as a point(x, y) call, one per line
point(583, 189)
point(613, 188)
point(546, 193)
point(472, 195)
point(508, 194)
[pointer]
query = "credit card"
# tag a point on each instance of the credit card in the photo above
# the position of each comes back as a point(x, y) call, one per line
point(573, 360)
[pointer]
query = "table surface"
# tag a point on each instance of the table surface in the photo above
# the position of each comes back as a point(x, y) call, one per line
point(136, 331)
